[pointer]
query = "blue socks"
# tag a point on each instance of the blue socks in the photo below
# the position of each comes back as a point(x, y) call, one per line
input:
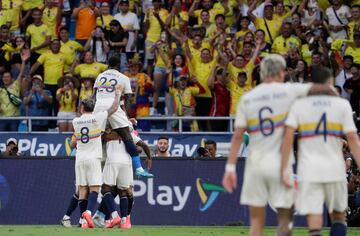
point(338, 229)
point(72, 205)
point(123, 206)
point(109, 202)
point(92, 199)
point(130, 204)
point(136, 162)
point(132, 150)
point(82, 205)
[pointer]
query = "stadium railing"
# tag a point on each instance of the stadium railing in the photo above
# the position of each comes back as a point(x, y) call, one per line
point(180, 119)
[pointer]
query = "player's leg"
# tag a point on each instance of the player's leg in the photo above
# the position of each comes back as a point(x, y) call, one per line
point(71, 208)
point(257, 220)
point(284, 221)
point(123, 207)
point(336, 201)
point(130, 197)
point(130, 147)
point(338, 224)
point(109, 201)
point(83, 194)
point(90, 209)
point(315, 222)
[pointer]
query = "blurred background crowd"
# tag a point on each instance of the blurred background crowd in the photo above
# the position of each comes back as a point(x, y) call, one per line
point(183, 57)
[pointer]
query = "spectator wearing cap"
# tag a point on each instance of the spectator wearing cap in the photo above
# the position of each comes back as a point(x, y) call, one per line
point(129, 21)
point(338, 16)
point(37, 102)
point(194, 10)
point(177, 17)
point(98, 45)
point(217, 83)
point(353, 25)
point(10, 95)
point(152, 29)
point(69, 47)
point(51, 16)
point(12, 148)
point(352, 86)
point(67, 96)
point(141, 86)
point(53, 62)
point(88, 67)
point(286, 40)
point(85, 15)
point(343, 73)
point(268, 24)
point(118, 39)
point(105, 17)
point(354, 50)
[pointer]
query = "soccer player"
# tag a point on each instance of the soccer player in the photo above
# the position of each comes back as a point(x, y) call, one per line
point(104, 89)
point(321, 122)
point(262, 112)
point(88, 129)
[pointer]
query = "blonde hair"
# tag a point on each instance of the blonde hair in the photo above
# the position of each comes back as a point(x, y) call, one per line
point(271, 66)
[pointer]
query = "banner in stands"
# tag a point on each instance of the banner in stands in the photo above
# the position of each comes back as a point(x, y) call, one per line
point(59, 144)
point(183, 192)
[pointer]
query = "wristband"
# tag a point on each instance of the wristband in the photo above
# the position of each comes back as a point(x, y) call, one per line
point(230, 168)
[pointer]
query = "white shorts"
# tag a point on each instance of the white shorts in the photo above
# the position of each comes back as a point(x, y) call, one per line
point(120, 175)
point(117, 119)
point(88, 173)
point(69, 115)
point(260, 188)
point(312, 196)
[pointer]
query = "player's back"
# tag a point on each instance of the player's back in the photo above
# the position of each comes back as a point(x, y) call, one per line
point(321, 122)
point(88, 129)
point(263, 111)
point(107, 81)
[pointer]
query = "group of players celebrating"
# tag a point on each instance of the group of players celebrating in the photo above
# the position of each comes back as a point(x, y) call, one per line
point(271, 113)
point(105, 119)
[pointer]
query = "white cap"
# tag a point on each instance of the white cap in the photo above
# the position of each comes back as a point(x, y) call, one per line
point(13, 140)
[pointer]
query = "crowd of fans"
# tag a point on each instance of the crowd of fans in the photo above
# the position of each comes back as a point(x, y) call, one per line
point(201, 55)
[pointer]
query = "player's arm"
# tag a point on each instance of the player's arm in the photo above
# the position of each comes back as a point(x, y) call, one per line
point(147, 151)
point(115, 105)
point(286, 147)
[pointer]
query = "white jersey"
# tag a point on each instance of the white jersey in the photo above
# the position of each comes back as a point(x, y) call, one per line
point(88, 129)
point(343, 13)
point(321, 122)
point(263, 112)
point(116, 153)
point(106, 83)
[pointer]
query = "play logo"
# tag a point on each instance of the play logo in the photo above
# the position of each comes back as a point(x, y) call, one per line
point(208, 193)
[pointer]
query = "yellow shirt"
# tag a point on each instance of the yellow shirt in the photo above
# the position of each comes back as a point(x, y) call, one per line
point(107, 19)
point(229, 17)
point(174, 23)
point(4, 19)
point(153, 33)
point(196, 54)
point(31, 4)
point(53, 66)
point(67, 103)
point(6, 107)
point(235, 94)
point(90, 70)
point(354, 52)
point(351, 30)
point(274, 26)
point(165, 49)
point(282, 45)
point(213, 12)
point(49, 18)
point(84, 94)
point(69, 49)
point(8, 49)
point(38, 36)
point(306, 53)
point(202, 72)
point(12, 11)
point(184, 97)
point(248, 69)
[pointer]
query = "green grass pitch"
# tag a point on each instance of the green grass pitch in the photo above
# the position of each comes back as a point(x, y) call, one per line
point(52, 230)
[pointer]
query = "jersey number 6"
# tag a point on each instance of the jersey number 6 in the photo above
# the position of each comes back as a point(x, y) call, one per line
point(266, 124)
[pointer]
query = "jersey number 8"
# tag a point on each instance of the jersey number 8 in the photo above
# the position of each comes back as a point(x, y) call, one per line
point(84, 138)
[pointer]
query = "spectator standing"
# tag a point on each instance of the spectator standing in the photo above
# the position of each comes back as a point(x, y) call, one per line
point(88, 67)
point(337, 15)
point(352, 86)
point(343, 74)
point(69, 47)
point(265, 48)
point(354, 50)
point(162, 147)
point(6, 47)
point(37, 102)
point(10, 95)
point(98, 45)
point(11, 10)
point(51, 16)
point(286, 40)
point(177, 16)
point(86, 88)
point(354, 24)
point(67, 96)
point(85, 16)
point(129, 21)
point(194, 10)
point(105, 17)
point(217, 83)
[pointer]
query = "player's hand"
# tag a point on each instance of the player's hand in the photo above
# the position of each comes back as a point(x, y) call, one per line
point(119, 89)
point(229, 181)
point(285, 180)
point(133, 121)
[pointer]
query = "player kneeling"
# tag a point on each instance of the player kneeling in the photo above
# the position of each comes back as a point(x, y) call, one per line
point(88, 129)
point(321, 122)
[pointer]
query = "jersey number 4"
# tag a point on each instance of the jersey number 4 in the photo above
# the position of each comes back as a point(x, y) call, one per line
point(321, 127)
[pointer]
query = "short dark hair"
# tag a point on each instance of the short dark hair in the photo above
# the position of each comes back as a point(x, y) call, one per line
point(2, 27)
point(355, 6)
point(348, 57)
point(357, 66)
point(220, 15)
point(210, 142)
point(64, 28)
point(88, 104)
point(163, 137)
point(114, 62)
point(319, 75)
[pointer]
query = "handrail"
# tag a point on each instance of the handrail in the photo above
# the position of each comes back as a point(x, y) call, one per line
point(180, 119)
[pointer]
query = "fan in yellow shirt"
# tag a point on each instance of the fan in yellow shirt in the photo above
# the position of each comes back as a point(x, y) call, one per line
point(152, 25)
point(237, 88)
point(86, 89)
point(176, 16)
point(32, 4)
point(69, 47)
point(89, 68)
point(105, 18)
point(51, 16)
point(207, 5)
point(230, 17)
point(285, 41)
point(355, 50)
point(11, 9)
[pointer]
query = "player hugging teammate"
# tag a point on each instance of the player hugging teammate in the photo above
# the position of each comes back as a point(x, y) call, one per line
point(121, 152)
